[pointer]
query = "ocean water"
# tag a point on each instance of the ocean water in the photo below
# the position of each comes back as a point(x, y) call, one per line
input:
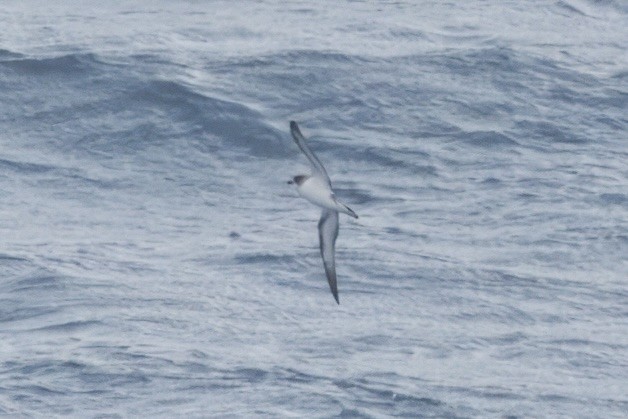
point(155, 263)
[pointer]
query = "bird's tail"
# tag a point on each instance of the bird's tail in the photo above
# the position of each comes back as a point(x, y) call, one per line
point(346, 210)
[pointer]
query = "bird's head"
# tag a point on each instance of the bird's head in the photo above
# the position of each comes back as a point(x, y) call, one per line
point(298, 180)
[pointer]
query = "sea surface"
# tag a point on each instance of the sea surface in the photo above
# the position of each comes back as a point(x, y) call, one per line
point(154, 262)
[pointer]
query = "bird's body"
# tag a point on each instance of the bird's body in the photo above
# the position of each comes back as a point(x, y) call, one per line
point(319, 193)
point(316, 188)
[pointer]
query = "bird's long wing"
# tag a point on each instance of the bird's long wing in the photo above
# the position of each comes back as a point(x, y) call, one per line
point(317, 166)
point(327, 233)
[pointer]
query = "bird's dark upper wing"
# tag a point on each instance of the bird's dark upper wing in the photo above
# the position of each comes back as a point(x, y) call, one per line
point(317, 166)
point(327, 233)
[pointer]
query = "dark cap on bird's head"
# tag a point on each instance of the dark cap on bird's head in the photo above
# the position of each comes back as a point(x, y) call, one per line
point(298, 180)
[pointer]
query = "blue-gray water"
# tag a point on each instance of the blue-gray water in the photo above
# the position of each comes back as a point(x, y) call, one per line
point(154, 262)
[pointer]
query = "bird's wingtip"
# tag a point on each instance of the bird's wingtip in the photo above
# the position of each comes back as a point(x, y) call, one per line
point(352, 213)
point(294, 128)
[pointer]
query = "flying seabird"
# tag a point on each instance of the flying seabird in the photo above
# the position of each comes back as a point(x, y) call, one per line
point(316, 188)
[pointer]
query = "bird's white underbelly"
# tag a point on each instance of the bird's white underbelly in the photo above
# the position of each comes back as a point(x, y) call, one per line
point(318, 193)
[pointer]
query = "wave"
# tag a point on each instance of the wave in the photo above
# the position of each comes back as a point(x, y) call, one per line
point(25, 167)
point(6, 54)
point(486, 139)
point(233, 123)
point(65, 65)
point(116, 110)
point(549, 132)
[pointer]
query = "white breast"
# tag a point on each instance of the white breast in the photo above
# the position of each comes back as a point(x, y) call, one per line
point(318, 192)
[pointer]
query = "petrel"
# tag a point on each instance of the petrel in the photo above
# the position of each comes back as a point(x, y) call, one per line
point(316, 188)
